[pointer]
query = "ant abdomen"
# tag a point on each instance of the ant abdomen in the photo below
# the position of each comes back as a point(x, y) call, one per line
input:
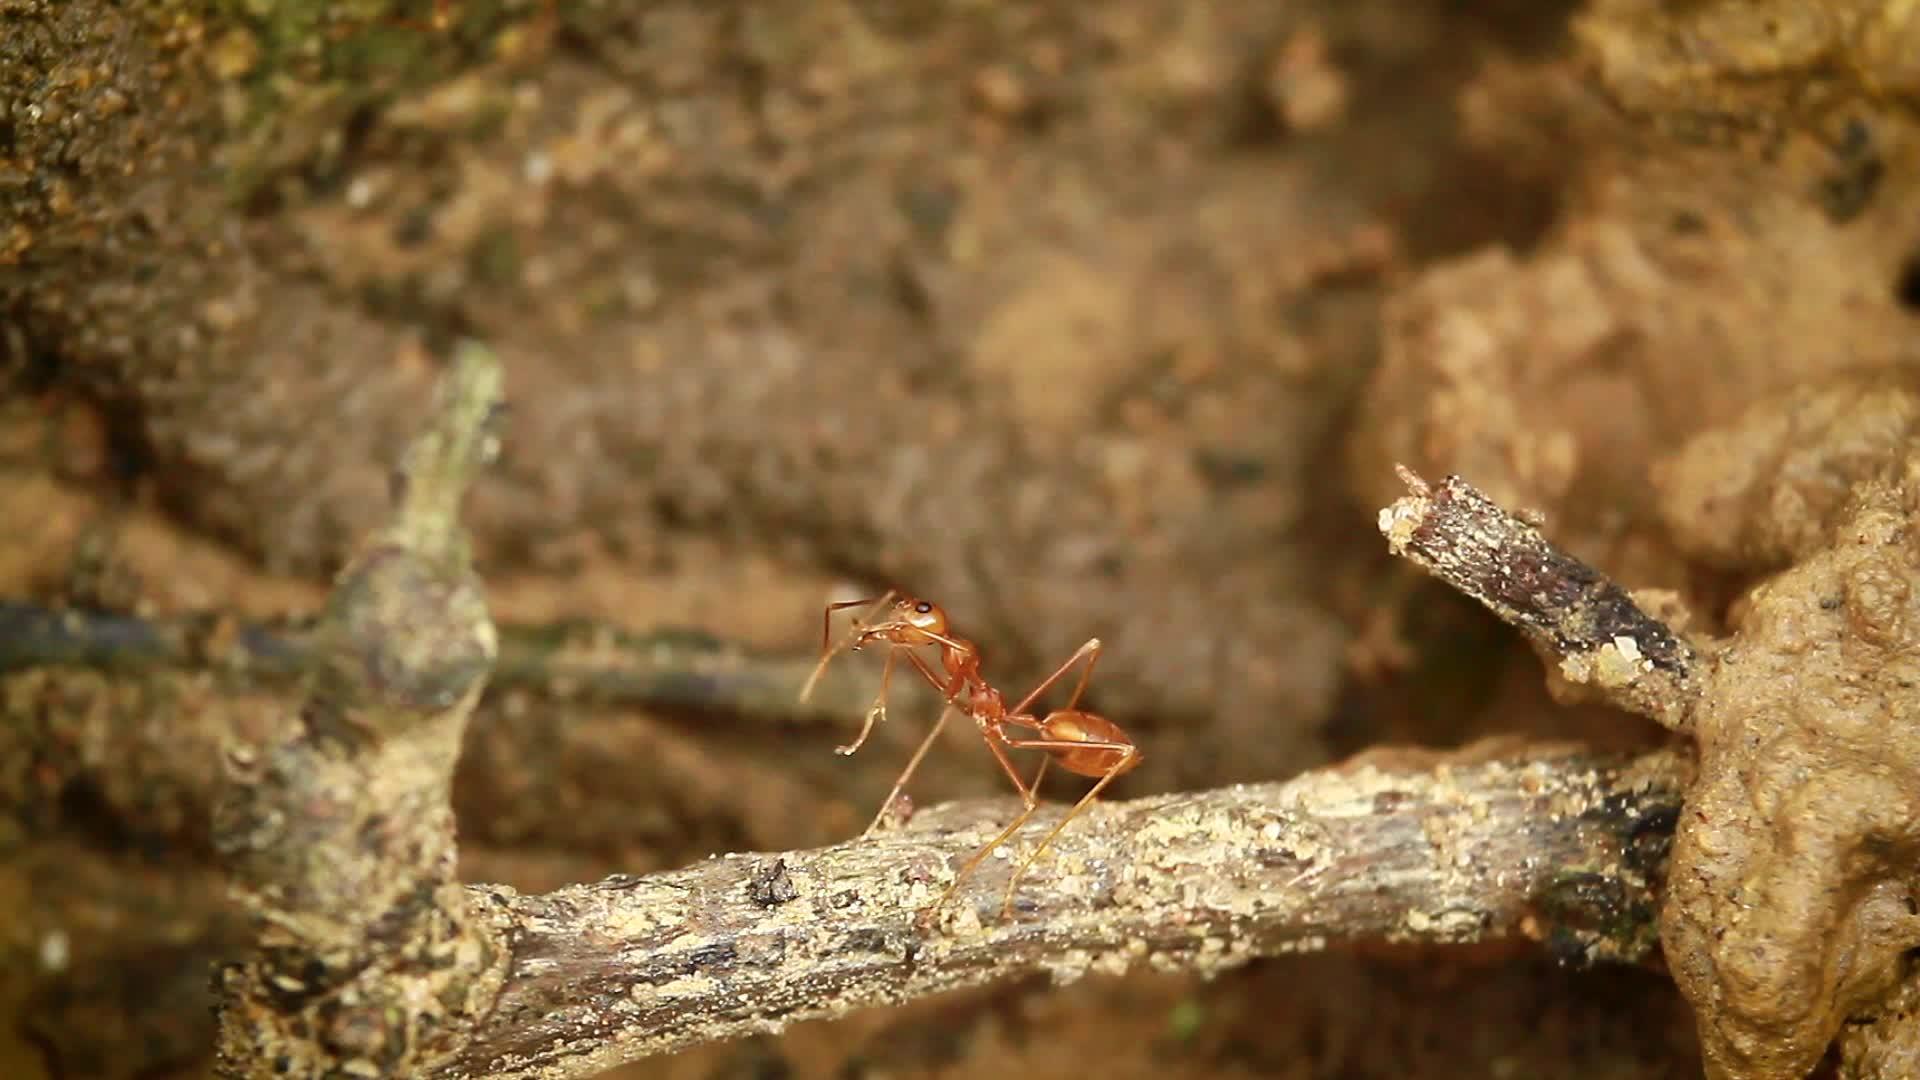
point(1102, 756)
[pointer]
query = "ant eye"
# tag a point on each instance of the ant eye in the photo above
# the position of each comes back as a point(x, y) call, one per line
point(923, 607)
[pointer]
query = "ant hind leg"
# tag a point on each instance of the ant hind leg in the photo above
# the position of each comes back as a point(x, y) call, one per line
point(980, 856)
point(1090, 652)
point(994, 743)
point(1125, 755)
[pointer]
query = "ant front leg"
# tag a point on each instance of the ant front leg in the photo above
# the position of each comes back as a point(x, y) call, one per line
point(913, 763)
point(876, 712)
point(947, 707)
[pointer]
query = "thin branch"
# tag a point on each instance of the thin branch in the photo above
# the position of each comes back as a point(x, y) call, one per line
point(1555, 845)
point(1568, 610)
point(674, 671)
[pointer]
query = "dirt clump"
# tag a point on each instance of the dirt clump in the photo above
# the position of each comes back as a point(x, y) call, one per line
point(1793, 890)
point(1658, 308)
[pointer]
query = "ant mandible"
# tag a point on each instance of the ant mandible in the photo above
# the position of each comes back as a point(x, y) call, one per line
point(1082, 742)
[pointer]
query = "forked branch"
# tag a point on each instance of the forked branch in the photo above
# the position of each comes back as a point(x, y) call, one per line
point(373, 961)
point(336, 824)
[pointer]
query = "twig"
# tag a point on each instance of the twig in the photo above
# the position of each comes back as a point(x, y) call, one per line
point(1573, 614)
point(1554, 845)
point(338, 824)
point(674, 671)
point(1592, 908)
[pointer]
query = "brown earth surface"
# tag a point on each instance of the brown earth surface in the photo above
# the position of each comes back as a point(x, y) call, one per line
point(1086, 320)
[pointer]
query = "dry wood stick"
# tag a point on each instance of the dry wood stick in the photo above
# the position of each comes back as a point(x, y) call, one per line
point(1574, 615)
point(1547, 844)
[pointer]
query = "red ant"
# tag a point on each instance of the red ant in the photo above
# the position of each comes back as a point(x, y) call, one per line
point(1084, 743)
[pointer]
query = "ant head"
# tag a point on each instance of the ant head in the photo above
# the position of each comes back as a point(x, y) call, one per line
point(916, 618)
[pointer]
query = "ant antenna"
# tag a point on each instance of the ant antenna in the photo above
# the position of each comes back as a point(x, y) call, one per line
point(828, 653)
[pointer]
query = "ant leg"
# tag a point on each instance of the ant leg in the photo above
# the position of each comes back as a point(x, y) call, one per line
point(981, 855)
point(876, 712)
point(946, 710)
point(1039, 774)
point(942, 639)
point(1127, 752)
point(994, 741)
point(827, 652)
point(1090, 652)
point(933, 678)
point(913, 763)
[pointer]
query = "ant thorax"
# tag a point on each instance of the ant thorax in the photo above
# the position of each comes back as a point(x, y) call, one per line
point(986, 703)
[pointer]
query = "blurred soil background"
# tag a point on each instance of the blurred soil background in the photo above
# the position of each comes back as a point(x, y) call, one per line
point(1082, 319)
